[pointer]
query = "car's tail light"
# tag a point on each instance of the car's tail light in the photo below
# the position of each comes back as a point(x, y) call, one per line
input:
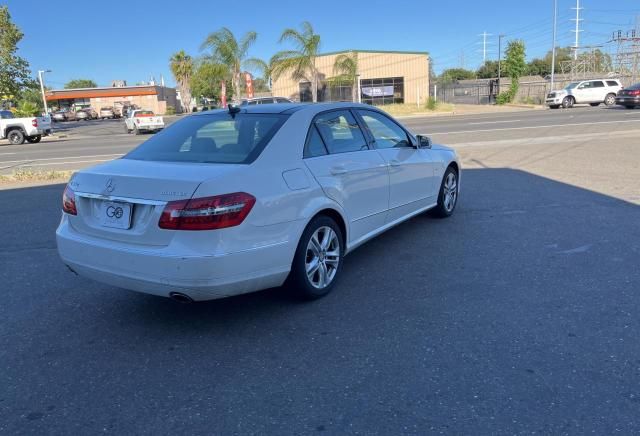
point(34, 122)
point(69, 201)
point(207, 213)
point(634, 92)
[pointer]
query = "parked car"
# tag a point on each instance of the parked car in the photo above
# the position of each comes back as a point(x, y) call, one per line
point(86, 114)
point(139, 121)
point(18, 130)
point(107, 112)
point(629, 97)
point(63, 115)
point(593, 92)
point(263, 100)
point(232, 201)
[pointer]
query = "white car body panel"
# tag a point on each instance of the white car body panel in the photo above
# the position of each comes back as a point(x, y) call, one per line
point(585, 92)
point(258, 253)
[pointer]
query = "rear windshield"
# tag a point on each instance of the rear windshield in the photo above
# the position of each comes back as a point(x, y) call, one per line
point(215, 138)
point(6, 114)
point(143, 114)
point(106, 109)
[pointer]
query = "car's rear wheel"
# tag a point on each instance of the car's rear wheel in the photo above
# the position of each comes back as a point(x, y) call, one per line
point(594, 104)
point(554, 106)
point(610, 99)
point(34, 139)
point(567, 102)
point(629, 106)
point(16, 137)
point(448, 195)
point(318, 259)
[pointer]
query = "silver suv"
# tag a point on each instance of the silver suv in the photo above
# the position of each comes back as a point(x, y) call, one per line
point(591, 92)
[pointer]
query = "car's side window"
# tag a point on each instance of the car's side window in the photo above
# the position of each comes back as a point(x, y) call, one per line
point(340, 132)
point(585, 85)
point(612, 83)
point(598, 84)
point(315, 145)
point(282, 100)
point(385, 132)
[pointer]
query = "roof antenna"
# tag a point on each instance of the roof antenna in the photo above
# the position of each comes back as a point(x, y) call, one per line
point(233, 110)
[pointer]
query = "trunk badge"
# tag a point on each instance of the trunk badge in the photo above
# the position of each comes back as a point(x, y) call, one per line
point(110, 186)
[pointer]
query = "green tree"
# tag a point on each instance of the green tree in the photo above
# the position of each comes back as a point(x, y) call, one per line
point(453, 74)
point(80, 83)
point(14, 70)
point(602, 61)
point(207, 77)
point(345, 71)
point(488, 71)
point(539, 67)
point(181, 65)
point(514, 66)
point(301, 61)
point(563, 54)
point(26, 109)
point(227, 50)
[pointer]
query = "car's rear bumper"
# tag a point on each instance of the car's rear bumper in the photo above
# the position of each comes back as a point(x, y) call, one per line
point(160, 272)
point(151, 128)
point(628, 101)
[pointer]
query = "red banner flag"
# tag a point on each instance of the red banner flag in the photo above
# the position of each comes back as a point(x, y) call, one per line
point(249, 81)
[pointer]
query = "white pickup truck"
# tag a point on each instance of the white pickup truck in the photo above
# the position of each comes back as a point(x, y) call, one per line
point(18, 130)
point(138, 121)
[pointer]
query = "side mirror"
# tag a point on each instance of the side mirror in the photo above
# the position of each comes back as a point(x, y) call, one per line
point(423, 141)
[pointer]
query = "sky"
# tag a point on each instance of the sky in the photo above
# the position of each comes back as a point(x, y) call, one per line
point(134, 40)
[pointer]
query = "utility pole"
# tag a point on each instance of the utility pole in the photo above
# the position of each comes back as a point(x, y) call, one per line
point(44, 99)
point(484, 45)
point(577, 31)
point(553, 47)
point(499, 60)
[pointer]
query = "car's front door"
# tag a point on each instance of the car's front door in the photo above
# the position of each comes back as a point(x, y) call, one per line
point(412, 184)
point(584, 92)
point(350, 173)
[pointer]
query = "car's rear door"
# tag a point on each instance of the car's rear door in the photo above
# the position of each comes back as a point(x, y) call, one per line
point(598, 91)
point(412, 183)
point(350, 173)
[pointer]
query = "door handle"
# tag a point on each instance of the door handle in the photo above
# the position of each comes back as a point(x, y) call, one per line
point(394, 163)
point(338, 170)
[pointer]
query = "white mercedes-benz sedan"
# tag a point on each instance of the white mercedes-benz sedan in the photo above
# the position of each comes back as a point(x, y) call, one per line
point(233, 201)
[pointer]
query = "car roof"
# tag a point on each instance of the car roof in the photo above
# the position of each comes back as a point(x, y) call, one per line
point(289, 108)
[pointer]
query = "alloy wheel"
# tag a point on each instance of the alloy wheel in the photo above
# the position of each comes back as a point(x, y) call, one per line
point(450, 192)
point(322, 257)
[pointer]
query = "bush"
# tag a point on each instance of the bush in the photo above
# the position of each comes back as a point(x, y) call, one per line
point(26, 109)
point(170, 110)
point(432, 104)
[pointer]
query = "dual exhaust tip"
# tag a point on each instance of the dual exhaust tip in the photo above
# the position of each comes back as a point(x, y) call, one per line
point(180, 297)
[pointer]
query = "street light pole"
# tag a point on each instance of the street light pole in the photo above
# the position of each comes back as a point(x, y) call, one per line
point(553, 49)
point(499, 60)
point(44, 99)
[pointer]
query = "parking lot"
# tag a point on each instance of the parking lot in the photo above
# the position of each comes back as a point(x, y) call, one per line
point(519, 314)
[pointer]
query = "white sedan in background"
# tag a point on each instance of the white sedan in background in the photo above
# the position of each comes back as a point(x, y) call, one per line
point(233, 201)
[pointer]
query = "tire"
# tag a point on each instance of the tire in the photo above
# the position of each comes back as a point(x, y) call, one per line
point(610, 99)
point(448, 195)
point(594, 104)
point(321, 242)
point(136, 131)
point(554, 106)
point(629, 106)
point(568, 102)
point(16, 137)
point(34, 139)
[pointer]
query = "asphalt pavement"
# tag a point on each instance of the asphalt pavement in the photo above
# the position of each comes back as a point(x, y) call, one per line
point(518, 315)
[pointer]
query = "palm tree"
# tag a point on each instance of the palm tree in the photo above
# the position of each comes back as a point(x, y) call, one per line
point(301, 62)
point(181, 65)
point(345, 70)
point(227, 50)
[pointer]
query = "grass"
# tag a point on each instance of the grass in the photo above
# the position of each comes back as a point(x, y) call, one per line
point(410, 109)
point(29, 175)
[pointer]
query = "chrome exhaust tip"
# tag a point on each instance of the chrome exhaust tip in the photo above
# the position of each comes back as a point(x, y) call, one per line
point(180, 297)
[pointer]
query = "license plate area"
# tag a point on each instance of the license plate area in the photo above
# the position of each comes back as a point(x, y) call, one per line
point(115, 214)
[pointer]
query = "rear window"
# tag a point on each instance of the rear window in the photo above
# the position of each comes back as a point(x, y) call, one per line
point(106, 109)
point(215, 138)
point(612, 83)
point(6, 115)
point(143, 114)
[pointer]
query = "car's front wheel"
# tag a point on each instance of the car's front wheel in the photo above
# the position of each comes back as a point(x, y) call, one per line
point(567, 102)
point(554, 106)
point(448, 195)
point(318, 259)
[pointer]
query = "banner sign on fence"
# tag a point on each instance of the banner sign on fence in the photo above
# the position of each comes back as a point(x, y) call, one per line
point(378, 91)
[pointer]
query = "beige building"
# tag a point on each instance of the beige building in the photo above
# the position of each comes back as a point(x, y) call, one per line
point(385, 77)
point(152, 97)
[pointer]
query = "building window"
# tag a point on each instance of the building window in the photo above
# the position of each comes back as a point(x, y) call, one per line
point(326, 92)
point(382, 91)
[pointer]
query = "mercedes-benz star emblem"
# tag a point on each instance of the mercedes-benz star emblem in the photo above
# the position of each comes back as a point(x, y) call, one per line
point(110, 186)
